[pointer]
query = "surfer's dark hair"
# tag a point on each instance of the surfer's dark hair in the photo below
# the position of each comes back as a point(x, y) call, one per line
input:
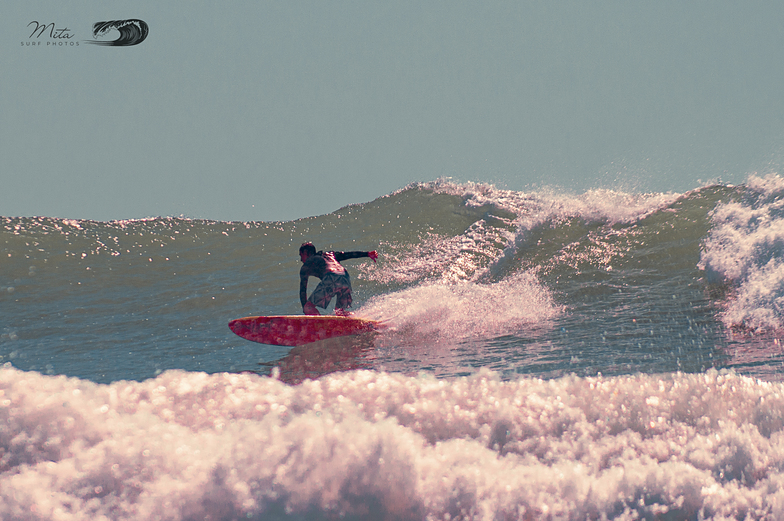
point(308, 247)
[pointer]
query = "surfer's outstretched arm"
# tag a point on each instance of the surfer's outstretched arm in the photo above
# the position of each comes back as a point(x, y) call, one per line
point(343, 255)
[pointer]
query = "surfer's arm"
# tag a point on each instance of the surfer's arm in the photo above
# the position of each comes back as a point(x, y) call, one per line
point(307, 307)
point(303, 287)
point(343, 255)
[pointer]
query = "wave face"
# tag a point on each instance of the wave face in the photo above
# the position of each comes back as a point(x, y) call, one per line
point(548, 356)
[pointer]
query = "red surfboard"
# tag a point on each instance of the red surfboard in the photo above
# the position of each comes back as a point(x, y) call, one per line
point(295, 330)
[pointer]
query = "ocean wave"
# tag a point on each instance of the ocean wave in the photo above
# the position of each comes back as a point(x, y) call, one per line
point(471, 268)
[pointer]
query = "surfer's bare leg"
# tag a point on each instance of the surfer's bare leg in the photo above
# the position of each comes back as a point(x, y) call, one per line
point(343, 300)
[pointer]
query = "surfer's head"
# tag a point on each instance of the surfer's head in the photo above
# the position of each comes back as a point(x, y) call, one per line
point(306, 250)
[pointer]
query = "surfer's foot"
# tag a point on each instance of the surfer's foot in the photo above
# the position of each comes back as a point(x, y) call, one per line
point(342, 312)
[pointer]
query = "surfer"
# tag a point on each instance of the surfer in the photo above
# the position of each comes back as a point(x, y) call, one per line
point(325, 265)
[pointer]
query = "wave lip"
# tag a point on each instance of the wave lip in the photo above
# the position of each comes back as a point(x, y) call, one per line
point(502, 223)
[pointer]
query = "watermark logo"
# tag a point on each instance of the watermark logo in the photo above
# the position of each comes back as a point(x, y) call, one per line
point(114, 33)
point(131, 32)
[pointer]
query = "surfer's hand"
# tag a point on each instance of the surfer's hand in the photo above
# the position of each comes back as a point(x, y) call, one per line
point(310, 309)
point(373, 255)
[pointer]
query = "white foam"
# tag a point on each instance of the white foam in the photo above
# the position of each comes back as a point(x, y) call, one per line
point(377, 445)
point(746, 248)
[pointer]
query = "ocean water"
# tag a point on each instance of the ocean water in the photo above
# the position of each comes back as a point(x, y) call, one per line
point(603, 355)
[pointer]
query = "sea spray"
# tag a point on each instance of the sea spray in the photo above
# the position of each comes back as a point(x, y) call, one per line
point(438, 312)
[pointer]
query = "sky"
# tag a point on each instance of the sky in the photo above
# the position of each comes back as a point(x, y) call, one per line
point(266, 111)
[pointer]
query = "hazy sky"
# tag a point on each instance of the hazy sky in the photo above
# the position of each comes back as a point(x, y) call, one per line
point(254, 110)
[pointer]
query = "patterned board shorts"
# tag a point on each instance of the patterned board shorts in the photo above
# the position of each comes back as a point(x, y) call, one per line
point(330, 286)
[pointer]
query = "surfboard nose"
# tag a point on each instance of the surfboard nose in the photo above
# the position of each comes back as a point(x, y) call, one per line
point(238, 326)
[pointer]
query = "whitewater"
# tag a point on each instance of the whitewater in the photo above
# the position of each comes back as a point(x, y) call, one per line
point(603, 355)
